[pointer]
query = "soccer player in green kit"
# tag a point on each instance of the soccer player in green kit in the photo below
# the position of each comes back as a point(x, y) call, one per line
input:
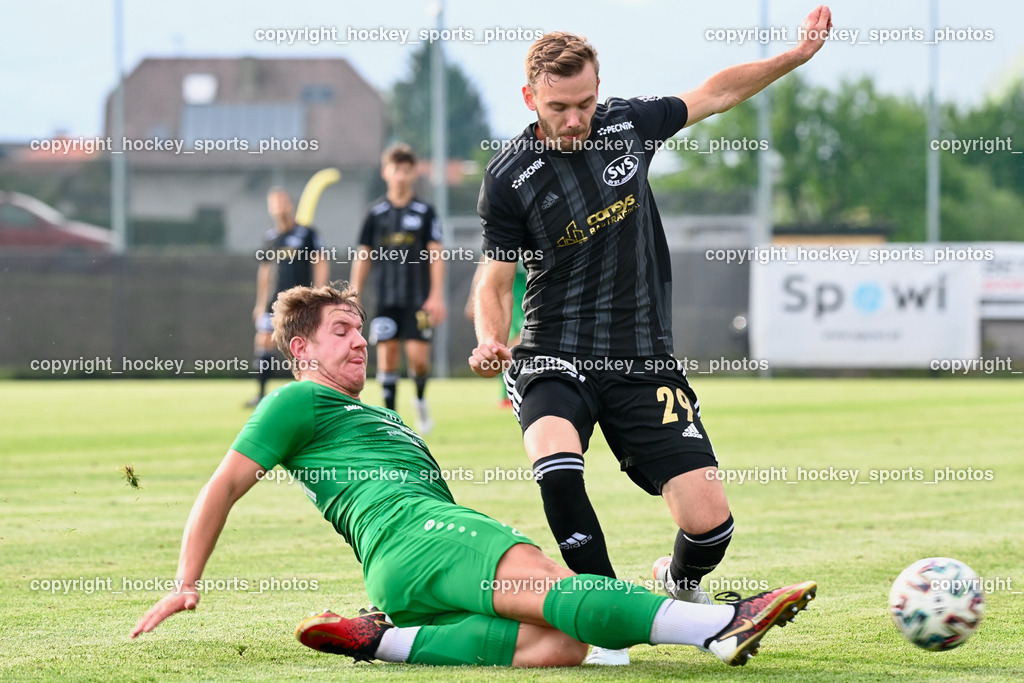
point(454, 586)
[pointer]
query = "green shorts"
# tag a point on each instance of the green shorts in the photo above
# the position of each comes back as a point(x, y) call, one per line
point(435, 563)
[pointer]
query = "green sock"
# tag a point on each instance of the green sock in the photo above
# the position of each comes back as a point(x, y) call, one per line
point(606, 612)
point(477, 639)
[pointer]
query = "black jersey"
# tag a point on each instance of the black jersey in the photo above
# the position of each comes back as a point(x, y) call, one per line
point(397, 237)
point(294, 252)
point(588, 231)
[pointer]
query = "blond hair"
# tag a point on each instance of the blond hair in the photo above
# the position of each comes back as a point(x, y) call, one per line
point(298, 313)
point(559, 54)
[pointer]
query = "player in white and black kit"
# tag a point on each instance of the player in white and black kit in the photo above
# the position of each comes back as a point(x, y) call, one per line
point(570, 195)
point(402, 236)
point(292, 255)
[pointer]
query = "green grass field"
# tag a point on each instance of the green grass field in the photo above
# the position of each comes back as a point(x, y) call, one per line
point(67, 513)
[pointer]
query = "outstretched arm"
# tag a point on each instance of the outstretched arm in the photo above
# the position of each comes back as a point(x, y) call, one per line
point(493, 317)
point(233, 478)
point(729, 87)
point(435, 305)
point(263, 276)
point(360, 269)
point(470, 309)
point(321, 271)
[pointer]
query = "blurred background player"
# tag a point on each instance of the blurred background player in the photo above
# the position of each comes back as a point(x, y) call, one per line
point(518, 317)
point(291, 255)
point(403, 234)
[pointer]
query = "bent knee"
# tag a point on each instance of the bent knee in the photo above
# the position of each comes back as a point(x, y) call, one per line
point(697, 503)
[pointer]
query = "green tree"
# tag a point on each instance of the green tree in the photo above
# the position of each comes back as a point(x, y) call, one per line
point(854, 156)
point(410, 109)
point(983, 189)
point(999, 119)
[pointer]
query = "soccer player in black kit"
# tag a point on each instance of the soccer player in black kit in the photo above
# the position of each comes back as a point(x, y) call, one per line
point(570, 196)
point(402, 234)
point(291, 255)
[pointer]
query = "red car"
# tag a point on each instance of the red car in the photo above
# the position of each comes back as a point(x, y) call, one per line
point(25, 222)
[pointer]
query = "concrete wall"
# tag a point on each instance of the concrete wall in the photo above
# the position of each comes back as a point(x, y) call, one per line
point(242, 198)
point(198, 308)
point(192, 308)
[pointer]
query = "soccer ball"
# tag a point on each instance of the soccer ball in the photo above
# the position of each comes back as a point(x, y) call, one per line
point(937, 603)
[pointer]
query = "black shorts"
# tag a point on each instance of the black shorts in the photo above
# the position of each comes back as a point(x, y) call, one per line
point(648, 413)
point(400, 323)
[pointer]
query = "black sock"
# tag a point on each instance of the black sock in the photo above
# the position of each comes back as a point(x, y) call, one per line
point(570, 515)
point(263, 364)
point(421, 384)
point(696, 555)
point(388, 381)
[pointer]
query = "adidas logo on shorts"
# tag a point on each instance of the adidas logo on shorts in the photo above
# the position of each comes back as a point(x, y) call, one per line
point(692, 432)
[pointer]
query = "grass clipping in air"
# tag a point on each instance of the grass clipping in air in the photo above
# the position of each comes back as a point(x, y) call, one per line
point(129, 475)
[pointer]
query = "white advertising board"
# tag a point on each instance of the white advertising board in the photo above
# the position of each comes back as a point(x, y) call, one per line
point(890, 306)
point(1002, 282)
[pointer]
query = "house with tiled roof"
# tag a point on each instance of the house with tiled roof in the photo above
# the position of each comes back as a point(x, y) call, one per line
point(206, 137)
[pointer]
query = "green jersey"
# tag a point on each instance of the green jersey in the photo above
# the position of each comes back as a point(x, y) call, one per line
point(358, 463)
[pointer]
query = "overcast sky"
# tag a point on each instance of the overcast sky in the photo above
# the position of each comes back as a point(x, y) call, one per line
point(57, 57)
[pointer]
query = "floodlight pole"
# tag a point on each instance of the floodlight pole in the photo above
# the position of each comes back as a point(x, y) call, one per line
point(763, 236)
point(439, 145)
point(933, 226)
point(118, 192)
point(764, 131)
point(118, 174)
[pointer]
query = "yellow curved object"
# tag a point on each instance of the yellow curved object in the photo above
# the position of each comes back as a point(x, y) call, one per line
point(311, 194)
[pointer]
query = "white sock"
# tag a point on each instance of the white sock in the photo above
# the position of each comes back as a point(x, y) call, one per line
point(396, 644)
point(684, 623)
